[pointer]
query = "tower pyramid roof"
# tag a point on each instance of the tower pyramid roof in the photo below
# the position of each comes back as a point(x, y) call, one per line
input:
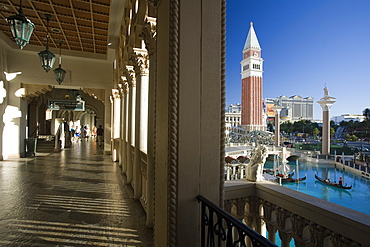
point(252, 41)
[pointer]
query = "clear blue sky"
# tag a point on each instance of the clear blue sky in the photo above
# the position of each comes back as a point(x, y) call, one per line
point(306, 44)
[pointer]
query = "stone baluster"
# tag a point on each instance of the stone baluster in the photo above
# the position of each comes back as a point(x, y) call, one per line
point(268, 210)
point(283, 226)
point(240, 208)
point(228, 204)
point(340, 241)
point(317, 234)
point(298, 226)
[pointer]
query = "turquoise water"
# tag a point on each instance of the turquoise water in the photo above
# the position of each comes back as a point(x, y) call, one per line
point(357, 198)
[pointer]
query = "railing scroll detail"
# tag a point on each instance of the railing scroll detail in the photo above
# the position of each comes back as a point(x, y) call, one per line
point(219, 228)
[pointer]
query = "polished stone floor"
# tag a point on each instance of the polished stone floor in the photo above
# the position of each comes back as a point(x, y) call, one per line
point(77, 197)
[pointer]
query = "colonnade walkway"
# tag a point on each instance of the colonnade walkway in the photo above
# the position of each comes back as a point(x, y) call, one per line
point(77, 197)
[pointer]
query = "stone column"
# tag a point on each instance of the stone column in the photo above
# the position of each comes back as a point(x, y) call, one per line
point(190, 121)
point(123, 151)
point(326, 102)
point(140, 58)
point(116, 117)
point(149, 36)
point(32, 119)
point(277, 110)
point(130, 74)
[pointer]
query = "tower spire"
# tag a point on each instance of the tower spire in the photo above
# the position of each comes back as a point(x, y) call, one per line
point(252, 41)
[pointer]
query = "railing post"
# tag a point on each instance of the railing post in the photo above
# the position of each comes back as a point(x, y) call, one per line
point(202, 225)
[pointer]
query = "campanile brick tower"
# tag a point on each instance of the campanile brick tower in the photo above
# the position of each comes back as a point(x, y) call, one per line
point(251, 66)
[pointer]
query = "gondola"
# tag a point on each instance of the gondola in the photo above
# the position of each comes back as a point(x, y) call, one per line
point(336, 185)
point(292, 180)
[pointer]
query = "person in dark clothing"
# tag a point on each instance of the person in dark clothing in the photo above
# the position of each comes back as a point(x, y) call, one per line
point(340, 181)
point(99, 134)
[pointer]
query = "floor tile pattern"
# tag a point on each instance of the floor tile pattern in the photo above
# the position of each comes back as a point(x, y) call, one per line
point(77, 197)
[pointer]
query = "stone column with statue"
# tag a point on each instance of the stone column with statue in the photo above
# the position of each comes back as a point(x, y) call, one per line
point(326, 102)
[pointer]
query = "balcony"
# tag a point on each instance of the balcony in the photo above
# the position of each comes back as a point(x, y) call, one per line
point(273, 210)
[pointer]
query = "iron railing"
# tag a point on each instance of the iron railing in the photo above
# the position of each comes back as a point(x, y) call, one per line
point(219, 228)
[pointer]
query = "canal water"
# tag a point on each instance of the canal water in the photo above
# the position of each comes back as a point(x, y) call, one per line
point(356, 198)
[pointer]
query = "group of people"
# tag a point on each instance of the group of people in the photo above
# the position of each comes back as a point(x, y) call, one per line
point(340, 182)
point(84, 134)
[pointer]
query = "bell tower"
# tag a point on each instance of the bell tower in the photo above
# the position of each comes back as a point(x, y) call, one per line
point(251, 71)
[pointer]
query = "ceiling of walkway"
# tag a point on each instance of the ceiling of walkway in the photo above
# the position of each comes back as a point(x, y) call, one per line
point(85, 26)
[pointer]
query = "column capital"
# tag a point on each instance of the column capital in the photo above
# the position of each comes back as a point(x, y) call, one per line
point(277, 109)
point(130, 75)
point(326, 104)
point(116, 94)
point(123, 86)
point(139, 57)
point(149, 35)
point(154, 3)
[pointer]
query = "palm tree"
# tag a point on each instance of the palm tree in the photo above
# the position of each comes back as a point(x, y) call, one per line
point(366, 113)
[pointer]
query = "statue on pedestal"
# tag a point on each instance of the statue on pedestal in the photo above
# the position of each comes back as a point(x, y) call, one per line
point(255, 167)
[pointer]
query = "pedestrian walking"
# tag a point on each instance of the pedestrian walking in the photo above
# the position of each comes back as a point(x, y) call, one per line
point(99, 134)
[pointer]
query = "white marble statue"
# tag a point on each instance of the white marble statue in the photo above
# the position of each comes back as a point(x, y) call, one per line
point(255, 167)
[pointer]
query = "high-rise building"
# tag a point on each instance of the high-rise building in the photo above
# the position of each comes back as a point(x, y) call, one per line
point(294, 108)
point(251, 71)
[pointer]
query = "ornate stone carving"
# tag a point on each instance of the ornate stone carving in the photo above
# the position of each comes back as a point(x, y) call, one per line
point(340, 241)
point(318, 234)
point(116, 94)
point(284, 229)
point(298, 225)
point(223, 99)
point(130, 76)
point(141, 61)
point(255, 167)
point(149, 35)
point(173, 120)
point(154, 3)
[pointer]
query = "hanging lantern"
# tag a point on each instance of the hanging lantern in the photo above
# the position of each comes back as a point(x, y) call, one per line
point(60, 73)
point(20, 27)
point(47, 58)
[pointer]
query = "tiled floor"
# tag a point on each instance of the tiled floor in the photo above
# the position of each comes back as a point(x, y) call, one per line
point(77, 197)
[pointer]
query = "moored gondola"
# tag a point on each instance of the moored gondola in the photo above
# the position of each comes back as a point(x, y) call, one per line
point(292, 180)
point(336, 185)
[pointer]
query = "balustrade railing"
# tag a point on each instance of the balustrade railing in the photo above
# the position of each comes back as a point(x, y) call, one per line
point(274, 210)
point(219, 228)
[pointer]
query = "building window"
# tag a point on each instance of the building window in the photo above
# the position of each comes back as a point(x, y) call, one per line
point(257, 66)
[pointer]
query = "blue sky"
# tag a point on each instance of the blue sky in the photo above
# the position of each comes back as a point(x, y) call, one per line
point(306, 44)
